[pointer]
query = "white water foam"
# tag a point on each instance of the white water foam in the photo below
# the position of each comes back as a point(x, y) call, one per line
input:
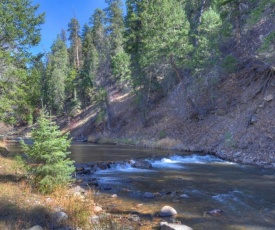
point(127, 168)
point(177, 161)
point(166, 163)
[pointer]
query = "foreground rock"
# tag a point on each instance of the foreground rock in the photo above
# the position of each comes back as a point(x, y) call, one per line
point(3, 151)
point(167, 226)
point(59, 217)
point(167, 211)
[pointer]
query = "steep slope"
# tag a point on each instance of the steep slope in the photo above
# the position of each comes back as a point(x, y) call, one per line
point(233, 118)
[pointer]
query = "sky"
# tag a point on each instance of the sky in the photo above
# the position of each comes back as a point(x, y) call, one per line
point(58, 15)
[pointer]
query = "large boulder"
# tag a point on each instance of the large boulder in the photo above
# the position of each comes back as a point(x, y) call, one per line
point(167, 226)
point(167, 211)
point(142, 164)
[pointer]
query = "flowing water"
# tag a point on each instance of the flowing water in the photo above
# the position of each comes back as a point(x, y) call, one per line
point(191, 183)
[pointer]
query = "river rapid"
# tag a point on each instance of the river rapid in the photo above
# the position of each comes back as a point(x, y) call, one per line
point(192, 183)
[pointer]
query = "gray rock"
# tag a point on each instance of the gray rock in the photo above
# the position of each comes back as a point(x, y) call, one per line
point(4, 151)
point(59, 217)
point(184, 196)
point(97, 209)
point(253, 120)
point(237, 154)
point(95, 219)
point(134, 218)
point(167, 226)
point(167, 211)
point(214, 212)
point(247, 160)
point(142, 164)
point(78, 189)
point(148, 195)
point(36, 227)
point(269, 97)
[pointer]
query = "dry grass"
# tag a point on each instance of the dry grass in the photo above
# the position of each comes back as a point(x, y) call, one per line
point(166, 143)
point(2, 144)
point(22, 208)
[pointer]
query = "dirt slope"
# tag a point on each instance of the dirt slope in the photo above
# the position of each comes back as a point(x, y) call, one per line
point(236, 118)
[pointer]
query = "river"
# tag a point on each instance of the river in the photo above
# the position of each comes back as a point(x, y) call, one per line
point(190, 182)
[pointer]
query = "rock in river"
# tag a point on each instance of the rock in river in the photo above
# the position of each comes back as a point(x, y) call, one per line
point(167, 211)
point(148, 195)
point(141, 164)
point(214, 212)
point(167, 226)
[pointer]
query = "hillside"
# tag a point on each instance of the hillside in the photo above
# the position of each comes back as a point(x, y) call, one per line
point(182, 75)
point(233, 118)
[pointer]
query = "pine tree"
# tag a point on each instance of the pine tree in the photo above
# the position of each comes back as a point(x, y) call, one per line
point(57, 75)
point(48, 164)
point(207, 50)
point(20, 30)
point(120, 60)
point(89, 68)
point(75, 43)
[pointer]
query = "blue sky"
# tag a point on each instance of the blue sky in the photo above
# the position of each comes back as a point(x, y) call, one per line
point(58, 15)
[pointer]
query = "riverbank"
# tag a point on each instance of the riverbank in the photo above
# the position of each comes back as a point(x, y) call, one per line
point(68, 208)
point(237, 156)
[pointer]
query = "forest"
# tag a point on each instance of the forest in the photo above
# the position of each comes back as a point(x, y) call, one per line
point(147, 51)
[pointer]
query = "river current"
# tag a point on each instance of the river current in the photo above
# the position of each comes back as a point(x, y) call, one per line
point(190, 182)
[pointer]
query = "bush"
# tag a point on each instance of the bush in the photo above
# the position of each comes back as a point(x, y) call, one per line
point(229, 64)
point(47, 160)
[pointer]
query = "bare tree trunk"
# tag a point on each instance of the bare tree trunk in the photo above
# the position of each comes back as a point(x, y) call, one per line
point(199, 20)
point(238, 21)
point(173, 63)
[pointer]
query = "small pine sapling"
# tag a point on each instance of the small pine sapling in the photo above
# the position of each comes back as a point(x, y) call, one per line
point(47, 160)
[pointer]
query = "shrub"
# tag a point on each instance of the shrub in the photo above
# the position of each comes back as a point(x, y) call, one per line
point(229, 64)
point(47, 160)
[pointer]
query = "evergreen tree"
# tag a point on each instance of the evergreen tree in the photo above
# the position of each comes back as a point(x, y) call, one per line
point(120, 60)
point(48, 164)
point(19, 30)
point(207, 51)
point(57, 69)
point(75, 43)
point(103, 71)
point(90, 65)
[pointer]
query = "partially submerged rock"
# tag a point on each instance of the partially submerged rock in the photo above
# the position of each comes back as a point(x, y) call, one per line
point(142, 164)
point(167, 211)
point(167, 226)
point(148, 195)
point(214, 212)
